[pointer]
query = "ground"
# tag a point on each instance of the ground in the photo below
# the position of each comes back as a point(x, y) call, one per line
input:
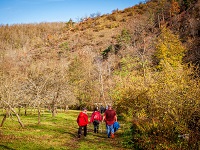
point(55, 133)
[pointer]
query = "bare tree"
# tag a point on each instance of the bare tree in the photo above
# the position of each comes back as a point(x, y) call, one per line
point(9, 94)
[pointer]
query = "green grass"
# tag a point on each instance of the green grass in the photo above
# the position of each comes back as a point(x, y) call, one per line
point(58, 133)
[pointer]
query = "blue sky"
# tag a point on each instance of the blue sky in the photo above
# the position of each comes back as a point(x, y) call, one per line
point(36, 11)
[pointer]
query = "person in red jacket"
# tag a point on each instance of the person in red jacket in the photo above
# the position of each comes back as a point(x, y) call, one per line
point(95, 119)
point(82, 121)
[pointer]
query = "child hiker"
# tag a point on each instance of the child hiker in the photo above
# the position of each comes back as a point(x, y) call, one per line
point(82, 121)
point(95, 119)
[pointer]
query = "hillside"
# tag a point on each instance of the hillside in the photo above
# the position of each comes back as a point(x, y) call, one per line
point(98, 33)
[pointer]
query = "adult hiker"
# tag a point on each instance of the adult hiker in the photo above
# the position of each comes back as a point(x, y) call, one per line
point(95, 119)
point(82, 121)
point(110, 117)
point(102, 109)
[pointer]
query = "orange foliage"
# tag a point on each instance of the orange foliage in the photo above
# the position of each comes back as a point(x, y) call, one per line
point(175, 8)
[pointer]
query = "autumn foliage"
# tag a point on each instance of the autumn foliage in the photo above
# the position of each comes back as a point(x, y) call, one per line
point(143, 60)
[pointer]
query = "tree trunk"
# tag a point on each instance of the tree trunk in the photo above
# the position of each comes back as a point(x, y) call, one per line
point(158, 21)
point(66, 107)
point(19, 110)
point(14, 113)
point(18, 118)
point(102, 85)
point(25, 110)
point(39, 115)
point(4, 119)
point(143, 61)
point(53, 110)
point(54, 102)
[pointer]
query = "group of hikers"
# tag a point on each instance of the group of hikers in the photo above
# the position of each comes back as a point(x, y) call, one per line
point(109, 116)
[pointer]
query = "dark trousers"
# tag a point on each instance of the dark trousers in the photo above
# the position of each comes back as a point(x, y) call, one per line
point(96, 126)
point(84, 128)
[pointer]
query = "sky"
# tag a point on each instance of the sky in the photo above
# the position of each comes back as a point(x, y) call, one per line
point(37, 11)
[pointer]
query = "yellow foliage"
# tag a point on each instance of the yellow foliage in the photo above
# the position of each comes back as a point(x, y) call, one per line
point(169, 49)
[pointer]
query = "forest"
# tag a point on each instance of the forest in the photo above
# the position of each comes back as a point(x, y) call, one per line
point(144, 60)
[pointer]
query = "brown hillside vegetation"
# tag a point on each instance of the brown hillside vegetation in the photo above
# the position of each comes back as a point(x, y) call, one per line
point(143, 59)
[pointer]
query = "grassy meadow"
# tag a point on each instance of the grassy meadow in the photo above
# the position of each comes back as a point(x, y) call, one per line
point(58, 133)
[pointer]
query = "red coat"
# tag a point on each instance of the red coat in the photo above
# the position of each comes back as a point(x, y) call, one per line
point(110, 116)
point(96, 116)
point(82, 119)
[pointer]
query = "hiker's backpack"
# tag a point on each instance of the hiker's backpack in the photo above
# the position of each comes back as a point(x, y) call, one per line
point(116, 126)
point(96, 116)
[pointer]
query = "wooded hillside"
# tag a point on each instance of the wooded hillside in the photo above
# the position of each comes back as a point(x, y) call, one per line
point(143, 59)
